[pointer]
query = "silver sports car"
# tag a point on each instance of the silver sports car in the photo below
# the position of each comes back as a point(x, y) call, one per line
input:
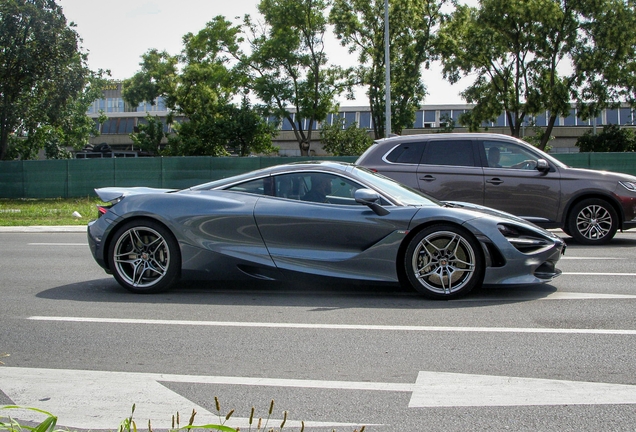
point(314, 219)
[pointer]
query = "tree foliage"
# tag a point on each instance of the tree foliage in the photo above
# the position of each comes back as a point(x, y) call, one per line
point(613, 138)
point(288, 67)
point(341, 140)
point(45, 86)
point(359, 24)
point(200, 83)
point(607, 67)
point(149, 135)
point(534, 56)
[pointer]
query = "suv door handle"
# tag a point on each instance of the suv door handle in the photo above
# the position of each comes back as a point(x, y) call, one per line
point(495, 181)
point(427, 177)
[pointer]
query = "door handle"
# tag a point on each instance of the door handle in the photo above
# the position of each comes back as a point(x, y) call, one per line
point(495, 181)
point(427, 177)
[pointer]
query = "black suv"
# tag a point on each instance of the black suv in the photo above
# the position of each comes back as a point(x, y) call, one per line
point(508, 174)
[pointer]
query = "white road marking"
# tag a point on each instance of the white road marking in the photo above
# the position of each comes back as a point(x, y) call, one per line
point(585, 296)
point(57, 244)
point(97, 399)
point(100, 400)
point(591, 258)
point(597, 274)
point(438, 389)
point(335, 326)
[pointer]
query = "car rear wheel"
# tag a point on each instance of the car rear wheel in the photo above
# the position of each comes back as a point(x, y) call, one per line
point(444, 262)
point(144, 257)
point(593, 222)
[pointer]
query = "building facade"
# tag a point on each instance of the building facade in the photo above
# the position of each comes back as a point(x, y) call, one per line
point(124, 118)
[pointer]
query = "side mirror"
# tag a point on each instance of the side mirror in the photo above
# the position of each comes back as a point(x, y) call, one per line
point(371, 199)
point(543, 165)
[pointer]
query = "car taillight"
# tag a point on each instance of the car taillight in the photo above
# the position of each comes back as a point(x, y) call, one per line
point(102, 209)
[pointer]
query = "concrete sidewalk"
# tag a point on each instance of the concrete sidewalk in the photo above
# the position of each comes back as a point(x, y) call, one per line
point(43, 229)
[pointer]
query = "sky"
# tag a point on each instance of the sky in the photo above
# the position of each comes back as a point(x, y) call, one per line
point(116, 33)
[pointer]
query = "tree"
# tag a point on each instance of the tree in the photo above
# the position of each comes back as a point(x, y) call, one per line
point(43, 79)
point(534, 56)
point(149, 136)
point(200, 84)
point(359, 24)
point(288, 66)
point(246, 131)
point(612, 139)
point(340, 140)
point(498, 43)
point(607, 67)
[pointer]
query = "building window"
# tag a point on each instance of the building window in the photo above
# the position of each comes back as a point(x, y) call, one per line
point(365, 119)
point(571, 119)
point(611, 116)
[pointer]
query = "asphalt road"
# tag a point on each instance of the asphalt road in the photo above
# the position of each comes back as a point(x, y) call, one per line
point(549, 357)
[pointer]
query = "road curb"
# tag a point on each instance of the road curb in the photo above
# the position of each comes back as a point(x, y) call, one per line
point(43, 229)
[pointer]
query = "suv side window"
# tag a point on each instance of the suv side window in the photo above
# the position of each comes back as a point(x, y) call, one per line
point(502, 154)
point(446, 152)
point(406, 153)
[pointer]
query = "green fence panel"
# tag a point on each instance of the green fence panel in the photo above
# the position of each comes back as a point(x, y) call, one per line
point(228, 166)
point(46, 179)
point(11, 179)
point(85, 175)
point(138, 172)
point(619, 162)
point(577, 160)
point(78, 177)
point(184, 172)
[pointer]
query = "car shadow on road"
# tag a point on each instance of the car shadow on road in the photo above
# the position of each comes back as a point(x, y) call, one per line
point(311, 295)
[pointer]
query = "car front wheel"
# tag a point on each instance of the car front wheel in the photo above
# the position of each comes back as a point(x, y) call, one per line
point(444, 262)
point(593, 222)
point(144, 257)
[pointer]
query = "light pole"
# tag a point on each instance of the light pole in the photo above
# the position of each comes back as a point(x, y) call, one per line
point(387, 62)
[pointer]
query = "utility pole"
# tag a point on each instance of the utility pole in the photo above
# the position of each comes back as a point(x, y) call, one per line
point(387, 62)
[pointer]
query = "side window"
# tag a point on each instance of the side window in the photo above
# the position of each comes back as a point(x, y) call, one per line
point(501, 154)
point(316, 187)
point(406, 153)
point(446, 152)
point(262, 186)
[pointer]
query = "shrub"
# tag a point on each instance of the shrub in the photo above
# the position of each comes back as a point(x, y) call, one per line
point(341, 141)
point(613, 138)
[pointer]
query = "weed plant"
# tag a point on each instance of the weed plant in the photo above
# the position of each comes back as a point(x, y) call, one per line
point(129, 424)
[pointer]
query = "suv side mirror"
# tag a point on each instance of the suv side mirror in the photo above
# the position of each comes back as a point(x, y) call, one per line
point(543, 165)
point(371, 199)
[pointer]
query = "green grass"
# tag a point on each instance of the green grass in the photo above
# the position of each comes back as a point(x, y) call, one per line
point(47, 212)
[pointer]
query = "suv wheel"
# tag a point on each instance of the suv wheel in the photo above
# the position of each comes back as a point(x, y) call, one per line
point(592, 221)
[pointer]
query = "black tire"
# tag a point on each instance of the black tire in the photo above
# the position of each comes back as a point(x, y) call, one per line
point(144, 257)
point(444, 262)
point(592, 221)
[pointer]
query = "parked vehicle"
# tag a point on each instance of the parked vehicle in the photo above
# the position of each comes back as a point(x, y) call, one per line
point(322, 219)
point(508, 174)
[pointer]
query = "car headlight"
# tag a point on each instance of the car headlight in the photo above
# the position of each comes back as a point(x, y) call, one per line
point(523, 240)
point(630, 186)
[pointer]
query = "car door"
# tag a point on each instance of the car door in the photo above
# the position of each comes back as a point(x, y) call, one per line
point(450, 170)
point(513, 184)
point(337, 237)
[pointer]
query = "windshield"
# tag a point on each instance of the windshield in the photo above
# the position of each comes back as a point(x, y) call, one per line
point(404, 194)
